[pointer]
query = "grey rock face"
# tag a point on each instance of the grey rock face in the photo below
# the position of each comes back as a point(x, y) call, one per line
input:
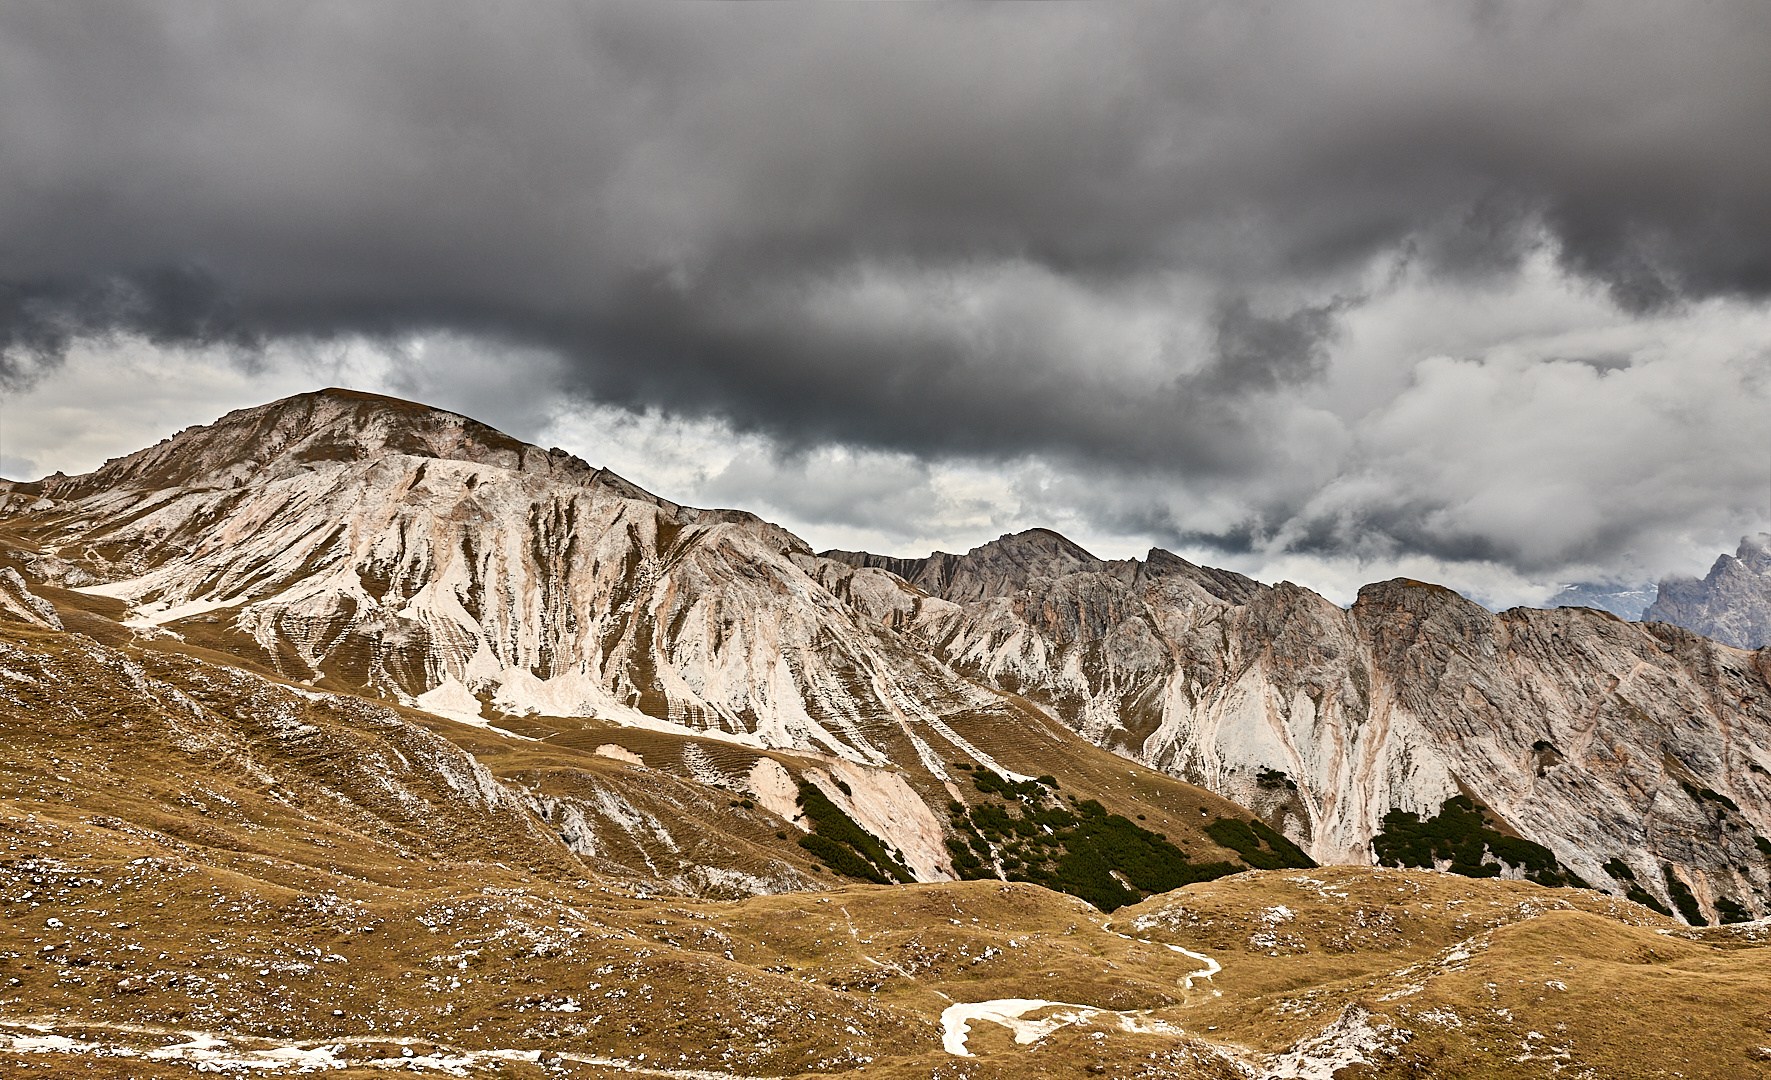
point(1581, 731)
point(20, 604)
point(1732, 604)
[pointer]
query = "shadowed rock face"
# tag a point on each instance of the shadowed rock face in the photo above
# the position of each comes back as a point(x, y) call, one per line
point(1732, 604)
point(376, 545)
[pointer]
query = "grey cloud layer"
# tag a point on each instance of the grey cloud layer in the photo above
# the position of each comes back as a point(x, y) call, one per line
point(1122, 236)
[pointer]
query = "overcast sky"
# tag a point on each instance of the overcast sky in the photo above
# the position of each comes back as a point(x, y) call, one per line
point(1477, 292)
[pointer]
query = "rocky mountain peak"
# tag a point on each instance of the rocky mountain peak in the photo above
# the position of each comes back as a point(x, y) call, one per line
point(1731, 604)
point(307, 431)
point(1226, 585)
point(1002, 567)
point(380, 548)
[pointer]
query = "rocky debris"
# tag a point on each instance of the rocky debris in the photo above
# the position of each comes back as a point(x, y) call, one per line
point(1732, 604)
point(20, 604)
point(1353, 1039)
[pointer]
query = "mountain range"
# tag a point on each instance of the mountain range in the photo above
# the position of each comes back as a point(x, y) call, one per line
point(378, 659)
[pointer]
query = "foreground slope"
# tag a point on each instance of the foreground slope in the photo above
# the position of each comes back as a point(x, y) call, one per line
point(206, 869)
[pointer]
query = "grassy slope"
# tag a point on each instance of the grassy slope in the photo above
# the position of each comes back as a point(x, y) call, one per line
point(204, 851)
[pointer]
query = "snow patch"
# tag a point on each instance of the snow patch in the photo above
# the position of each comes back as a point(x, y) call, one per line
point(956, 1020)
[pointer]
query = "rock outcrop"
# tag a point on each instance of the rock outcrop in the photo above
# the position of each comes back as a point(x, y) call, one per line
point(19, 604)
point(1731, 604)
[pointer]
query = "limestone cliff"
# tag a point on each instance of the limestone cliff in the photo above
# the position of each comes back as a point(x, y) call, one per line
point(1594, 737)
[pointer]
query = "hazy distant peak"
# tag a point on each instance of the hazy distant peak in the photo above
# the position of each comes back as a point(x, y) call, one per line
point(1731, 604)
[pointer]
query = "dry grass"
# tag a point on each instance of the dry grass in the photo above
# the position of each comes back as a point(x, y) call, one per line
point(223, 855)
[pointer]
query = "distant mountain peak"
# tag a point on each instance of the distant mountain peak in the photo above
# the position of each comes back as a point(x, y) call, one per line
point(1731, 604)
point(1014, 561)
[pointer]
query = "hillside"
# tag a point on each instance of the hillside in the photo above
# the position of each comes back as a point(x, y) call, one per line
point(344, 735)
point(209, 870)
point(1636, 758)
point(671, 691)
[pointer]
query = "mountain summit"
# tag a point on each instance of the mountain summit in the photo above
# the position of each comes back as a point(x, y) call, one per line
point(295, 434)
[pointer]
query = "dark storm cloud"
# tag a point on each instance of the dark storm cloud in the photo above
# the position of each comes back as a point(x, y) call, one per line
point(917, 227)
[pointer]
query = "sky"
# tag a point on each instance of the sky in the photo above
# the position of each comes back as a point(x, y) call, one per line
point(1475, 292)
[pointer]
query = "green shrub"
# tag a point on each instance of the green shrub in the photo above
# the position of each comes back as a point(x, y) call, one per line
point(1245, 839)
point(1076, 854)
point(834, 832)
point(1682, 898)
point(840, 857)
point(1700, 795)
point(1732, 912)
point(1460, 833)
point(1642, 896)
point(1273, 780)
point(988, 782)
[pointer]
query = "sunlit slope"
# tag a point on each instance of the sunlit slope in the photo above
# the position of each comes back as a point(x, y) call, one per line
point(663, 810)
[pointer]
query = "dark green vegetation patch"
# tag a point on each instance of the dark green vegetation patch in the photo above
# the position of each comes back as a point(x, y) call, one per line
point(1274, 780)
point(843, 845)
point(1460, 832)
point(1103, 858)
point(1703, 795)
point(1687, 904)
point(1245, 839)
point(1632, 889)
point(1027, 791)
point(1732, 912)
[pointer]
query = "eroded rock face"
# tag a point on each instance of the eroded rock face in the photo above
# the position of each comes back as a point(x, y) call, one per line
point(20, 604)
point(360, 542)
point(443, 567)
point(1732, 604)
point(1589, 735)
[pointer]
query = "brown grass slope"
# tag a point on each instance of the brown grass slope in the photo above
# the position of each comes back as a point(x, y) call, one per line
point(201, 866)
